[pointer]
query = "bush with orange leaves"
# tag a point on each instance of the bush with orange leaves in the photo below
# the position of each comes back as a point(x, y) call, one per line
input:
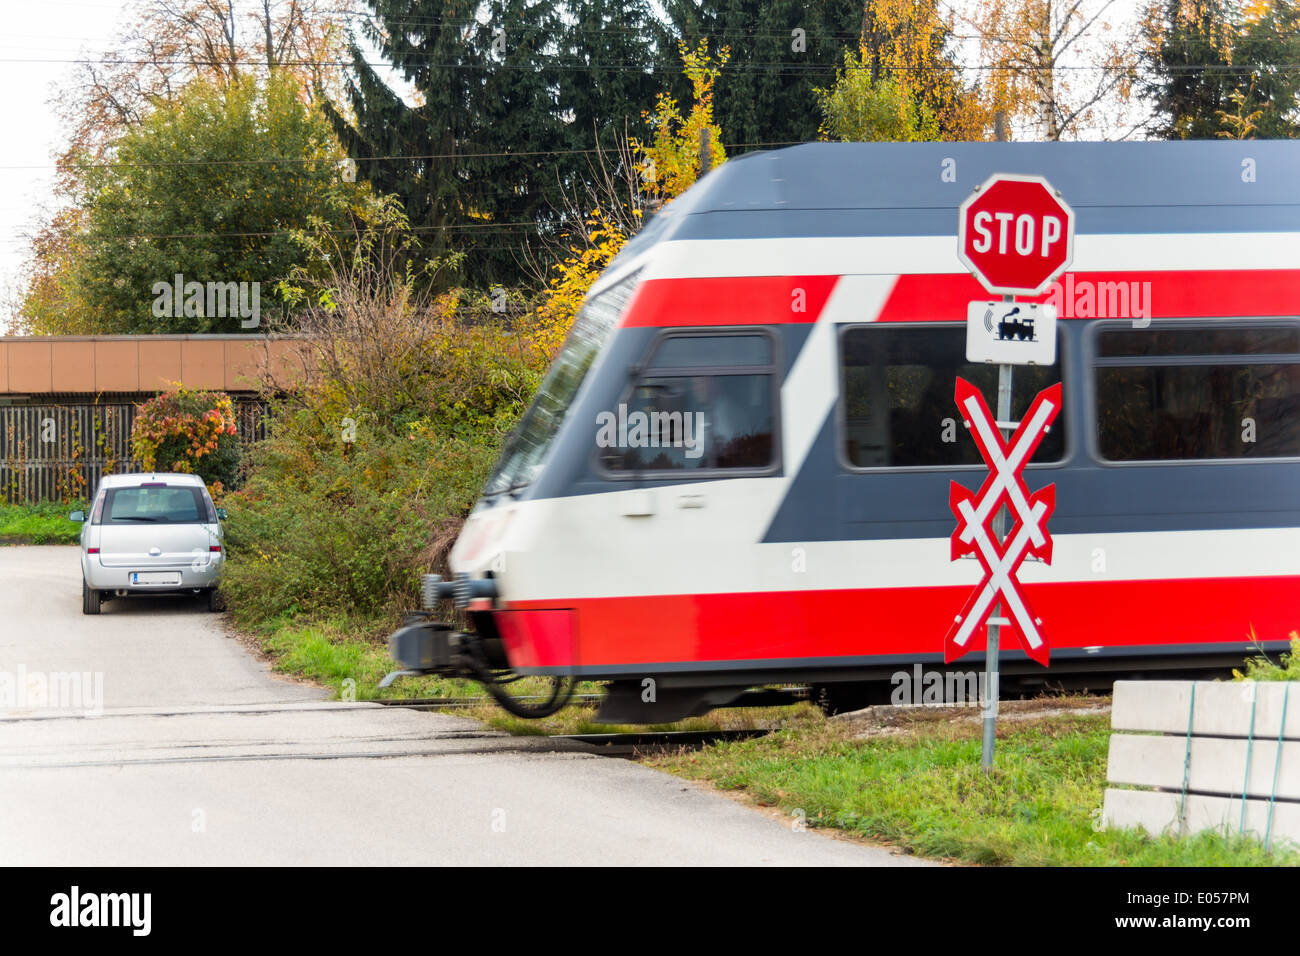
point(188, 431)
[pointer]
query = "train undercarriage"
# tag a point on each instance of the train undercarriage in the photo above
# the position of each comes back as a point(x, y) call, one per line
point(423, 645)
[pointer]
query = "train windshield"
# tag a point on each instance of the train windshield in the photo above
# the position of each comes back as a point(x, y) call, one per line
point(530, 440)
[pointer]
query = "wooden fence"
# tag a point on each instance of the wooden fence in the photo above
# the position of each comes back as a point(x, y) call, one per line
point(59, 452)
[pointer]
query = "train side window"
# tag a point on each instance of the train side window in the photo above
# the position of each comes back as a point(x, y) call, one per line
point(1183, 394)
point(897, 405)
point(704, 402)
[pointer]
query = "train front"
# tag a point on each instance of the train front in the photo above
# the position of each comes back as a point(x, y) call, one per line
point(523, 537)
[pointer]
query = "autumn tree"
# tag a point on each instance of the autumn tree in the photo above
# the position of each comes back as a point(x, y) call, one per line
point(210, 186)
point(907, 51)
point(627, 186)
point(165, 44)
point(1059, 66)
point(680, 146)
point(163, 47)
point(859, 109)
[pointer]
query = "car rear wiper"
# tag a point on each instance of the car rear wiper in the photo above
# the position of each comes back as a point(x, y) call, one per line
point(130, 518)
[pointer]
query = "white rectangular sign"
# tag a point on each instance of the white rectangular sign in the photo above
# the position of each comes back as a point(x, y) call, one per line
point(1011, 333)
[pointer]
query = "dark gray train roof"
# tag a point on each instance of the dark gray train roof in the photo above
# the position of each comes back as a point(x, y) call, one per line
point(898, 189)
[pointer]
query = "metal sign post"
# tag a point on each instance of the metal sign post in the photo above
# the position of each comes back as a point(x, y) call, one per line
point(991, 673)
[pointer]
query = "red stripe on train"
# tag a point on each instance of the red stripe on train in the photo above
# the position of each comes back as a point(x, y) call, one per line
point(1099, 295)
point(790, 625)
point(730, 300)
point(780, 300)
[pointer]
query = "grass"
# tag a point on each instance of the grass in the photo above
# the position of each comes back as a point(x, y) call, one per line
point(915, 781)
point(38, 524)
point(343, 655)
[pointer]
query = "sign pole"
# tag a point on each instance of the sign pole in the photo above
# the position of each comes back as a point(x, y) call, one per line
point(991, 669)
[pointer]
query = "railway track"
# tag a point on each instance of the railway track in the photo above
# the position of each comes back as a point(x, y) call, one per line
point(754, 698)
point(609, 745)
point(631, 744)
point(457, 703)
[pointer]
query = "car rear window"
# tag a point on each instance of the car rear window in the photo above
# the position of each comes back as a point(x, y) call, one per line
point(155, 504)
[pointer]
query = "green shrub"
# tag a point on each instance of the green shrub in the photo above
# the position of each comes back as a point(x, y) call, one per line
point(324, 528)
point(1261, 668)
point(380, 445)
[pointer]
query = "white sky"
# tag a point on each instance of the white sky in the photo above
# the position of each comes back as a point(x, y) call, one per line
point(36, 31)
point(38, 40)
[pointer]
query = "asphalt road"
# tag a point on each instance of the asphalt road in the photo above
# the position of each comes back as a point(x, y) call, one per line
point(178, 747)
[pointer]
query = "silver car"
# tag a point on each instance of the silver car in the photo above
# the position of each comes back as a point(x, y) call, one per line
point(150, 534)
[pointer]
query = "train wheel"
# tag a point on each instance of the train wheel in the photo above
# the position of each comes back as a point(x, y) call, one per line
point(532, 702)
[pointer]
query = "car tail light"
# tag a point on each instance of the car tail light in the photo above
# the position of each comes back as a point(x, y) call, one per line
point(92, 551)
point(216, 548)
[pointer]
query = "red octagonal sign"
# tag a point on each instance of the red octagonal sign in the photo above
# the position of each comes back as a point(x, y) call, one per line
point(1016, 234)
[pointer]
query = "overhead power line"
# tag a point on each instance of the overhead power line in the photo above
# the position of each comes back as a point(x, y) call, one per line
point(361, 159)
point(780, 68)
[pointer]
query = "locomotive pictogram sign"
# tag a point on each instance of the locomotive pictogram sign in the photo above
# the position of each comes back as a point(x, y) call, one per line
point(975, 513)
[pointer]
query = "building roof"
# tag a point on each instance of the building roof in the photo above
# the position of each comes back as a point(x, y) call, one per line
point(132, 364)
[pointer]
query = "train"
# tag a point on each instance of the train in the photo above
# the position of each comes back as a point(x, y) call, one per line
point(736, 473)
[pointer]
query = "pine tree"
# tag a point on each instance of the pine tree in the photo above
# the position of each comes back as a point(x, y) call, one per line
point(1222, 70)
point(403, 149)
point(781, 50)
point(512, 186)
point(1267, 50)
point(612, 50)
point(1187, 62)
point(474, 159)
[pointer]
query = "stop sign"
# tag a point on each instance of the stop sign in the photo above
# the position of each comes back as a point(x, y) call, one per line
point(1016, 234)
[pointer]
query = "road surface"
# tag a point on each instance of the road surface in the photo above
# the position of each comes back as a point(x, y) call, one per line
point(175, 746)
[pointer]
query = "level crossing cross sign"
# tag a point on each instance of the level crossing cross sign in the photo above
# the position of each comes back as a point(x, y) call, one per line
point(975, 514)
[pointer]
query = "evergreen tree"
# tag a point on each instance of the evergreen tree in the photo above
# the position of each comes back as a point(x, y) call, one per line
point(402, 149)
point(781, 50)
point(613, 68)
point(512, 187)
point(1219, 70)
point(1268, 47)
point(1187, 65)
point(487, 81)
point(510, 95)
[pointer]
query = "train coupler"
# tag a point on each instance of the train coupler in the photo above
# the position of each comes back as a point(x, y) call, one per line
point(422, 646)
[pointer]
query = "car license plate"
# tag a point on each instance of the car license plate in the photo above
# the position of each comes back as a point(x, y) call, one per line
point(155, 577)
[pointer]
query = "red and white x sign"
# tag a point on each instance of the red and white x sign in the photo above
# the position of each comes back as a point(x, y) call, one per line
point(974, 513)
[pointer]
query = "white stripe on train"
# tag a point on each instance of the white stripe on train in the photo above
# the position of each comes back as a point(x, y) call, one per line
point(898, 255)
point(712, 549)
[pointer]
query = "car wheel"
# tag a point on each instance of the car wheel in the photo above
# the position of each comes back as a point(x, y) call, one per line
point(90, 598)
point(216, 600)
